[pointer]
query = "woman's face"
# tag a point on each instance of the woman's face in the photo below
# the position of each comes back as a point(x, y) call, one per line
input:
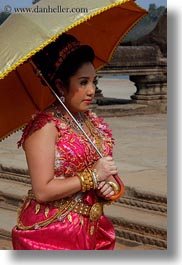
point(81, 90)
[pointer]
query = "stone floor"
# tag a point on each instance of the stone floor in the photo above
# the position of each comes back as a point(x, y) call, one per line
point(140, 152)
point(6, 245)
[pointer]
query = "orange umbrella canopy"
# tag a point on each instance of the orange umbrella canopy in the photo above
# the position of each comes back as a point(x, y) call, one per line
point(101, 24)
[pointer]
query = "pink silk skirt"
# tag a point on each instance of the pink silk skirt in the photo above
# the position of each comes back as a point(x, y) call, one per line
point(74, 232)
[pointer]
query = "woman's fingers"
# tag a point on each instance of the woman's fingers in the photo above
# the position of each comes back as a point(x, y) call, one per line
point(101, 184)
point(105, 167)
point(109, 158)
point(105, 189)
point(114, 172)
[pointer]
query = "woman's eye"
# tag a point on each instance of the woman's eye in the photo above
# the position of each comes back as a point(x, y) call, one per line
point(95, 82)
point(84, 82)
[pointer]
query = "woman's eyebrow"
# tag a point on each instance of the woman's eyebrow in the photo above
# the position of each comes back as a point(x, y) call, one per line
point(86, 77)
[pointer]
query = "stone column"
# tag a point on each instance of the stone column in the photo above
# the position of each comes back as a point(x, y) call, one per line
point(98, 96)
point(98, 93)
point(151, 89)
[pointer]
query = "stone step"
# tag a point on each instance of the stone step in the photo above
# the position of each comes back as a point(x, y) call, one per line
point(5, 244)
point(13, 188)
point(12, 193)
point(8, 220)
point(106, 108)
point(133, 215)
point(5, 234)
point(133, 196)
point(138, 225)
point(137, 221)
point(14, 174)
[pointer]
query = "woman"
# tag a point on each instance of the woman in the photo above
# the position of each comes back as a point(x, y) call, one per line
point(70, 182)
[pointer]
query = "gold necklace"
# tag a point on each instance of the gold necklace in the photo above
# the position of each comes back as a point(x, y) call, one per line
point(94, 133)
point(60, 114)
point(81, 119)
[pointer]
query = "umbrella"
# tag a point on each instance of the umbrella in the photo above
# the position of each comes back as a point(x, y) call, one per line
point(101, 24)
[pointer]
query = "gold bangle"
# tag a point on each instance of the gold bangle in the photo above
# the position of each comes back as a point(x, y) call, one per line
point(86, 180)
point(83, 186)
point(95, 178)
point(114, 186)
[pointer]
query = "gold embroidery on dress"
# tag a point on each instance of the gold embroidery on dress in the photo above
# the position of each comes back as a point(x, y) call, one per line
point(76, 220)
point(81, 220)
point(27, 204)
point(37, 208)
point(64, 209)
point(46, 211)
point(92, 230)
point(70, 218)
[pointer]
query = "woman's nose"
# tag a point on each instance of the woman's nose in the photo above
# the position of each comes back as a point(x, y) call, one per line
point(91, 89)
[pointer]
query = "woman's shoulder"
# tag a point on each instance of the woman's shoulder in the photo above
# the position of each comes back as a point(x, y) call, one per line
point(37, 121)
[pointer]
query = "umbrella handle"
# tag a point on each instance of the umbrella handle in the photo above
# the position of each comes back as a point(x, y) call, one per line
point(120, 193)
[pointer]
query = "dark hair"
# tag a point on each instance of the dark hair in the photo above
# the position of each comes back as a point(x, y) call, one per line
point(46, 58)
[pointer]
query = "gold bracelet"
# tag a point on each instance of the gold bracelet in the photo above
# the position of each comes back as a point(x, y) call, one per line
point(86, 180)
point(95, 178)
point(114, 186)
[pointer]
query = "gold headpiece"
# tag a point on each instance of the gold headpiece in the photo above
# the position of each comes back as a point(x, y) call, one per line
point(70, 47)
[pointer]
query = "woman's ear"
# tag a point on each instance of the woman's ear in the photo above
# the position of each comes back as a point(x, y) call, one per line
point(59, 84)
point(60, 88)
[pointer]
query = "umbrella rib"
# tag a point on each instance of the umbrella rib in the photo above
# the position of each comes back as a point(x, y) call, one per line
point(26, 90)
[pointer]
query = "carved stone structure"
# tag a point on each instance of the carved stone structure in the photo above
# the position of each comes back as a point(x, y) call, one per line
point(157, 37)
point(146, 64)
point(151, 89)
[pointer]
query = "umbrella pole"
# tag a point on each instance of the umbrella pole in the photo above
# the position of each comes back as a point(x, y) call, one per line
point(38, 72)
point(77, 123)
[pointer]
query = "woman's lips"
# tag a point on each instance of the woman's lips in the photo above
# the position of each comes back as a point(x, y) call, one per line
point(87, 101)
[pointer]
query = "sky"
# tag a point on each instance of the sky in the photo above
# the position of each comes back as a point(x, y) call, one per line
point(27, 3)
point(145, 3)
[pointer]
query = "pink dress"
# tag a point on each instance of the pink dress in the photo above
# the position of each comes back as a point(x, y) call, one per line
point(60, 226)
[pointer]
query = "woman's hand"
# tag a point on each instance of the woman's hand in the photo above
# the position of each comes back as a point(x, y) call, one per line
point(105, 167)
point(105, 190)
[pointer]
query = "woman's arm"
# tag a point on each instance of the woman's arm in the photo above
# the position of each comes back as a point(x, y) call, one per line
point(40, 154)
